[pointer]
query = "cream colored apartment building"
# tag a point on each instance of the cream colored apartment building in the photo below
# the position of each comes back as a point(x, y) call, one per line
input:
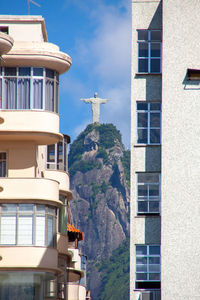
point(39, 256)
point(165, 207)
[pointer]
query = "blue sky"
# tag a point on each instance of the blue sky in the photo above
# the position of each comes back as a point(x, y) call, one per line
point(96, 34)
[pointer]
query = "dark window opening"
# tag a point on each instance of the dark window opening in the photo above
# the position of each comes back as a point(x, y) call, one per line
point(4, 29)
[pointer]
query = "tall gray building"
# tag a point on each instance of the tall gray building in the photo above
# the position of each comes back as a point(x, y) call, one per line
point(165, 194)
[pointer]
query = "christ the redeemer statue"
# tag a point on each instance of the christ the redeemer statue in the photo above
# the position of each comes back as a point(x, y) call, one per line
point(95, 106)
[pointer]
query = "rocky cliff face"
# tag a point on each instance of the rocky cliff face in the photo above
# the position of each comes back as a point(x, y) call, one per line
point(99, 182)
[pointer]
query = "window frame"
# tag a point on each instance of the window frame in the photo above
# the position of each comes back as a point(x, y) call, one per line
point(148, 111)
point(148, 198)
point(32, 78)
point(147, 256)
point(1, 161)
point(58, 163)
point(149, 57)
point(34, 213)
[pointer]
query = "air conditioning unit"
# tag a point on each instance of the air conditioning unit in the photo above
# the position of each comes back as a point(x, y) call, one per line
point(150, 295)
point(75, 256)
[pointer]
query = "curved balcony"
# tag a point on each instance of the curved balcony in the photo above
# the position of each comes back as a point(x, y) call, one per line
point(29, 258)
point(74, 275)
point(32, 189)
point(63, 179)
point(6, 43)
point(37, 54)
point(42, 127)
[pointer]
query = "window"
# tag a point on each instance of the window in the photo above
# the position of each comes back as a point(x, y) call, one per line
point(148, 263)
point(148, 122)
point(57, 156)
point(3, 168)
point(28, 285)
point(27, 224)
point(29, 88)
point(62, 215)
point(149, 51)
point(4, 29)
point(148, 193)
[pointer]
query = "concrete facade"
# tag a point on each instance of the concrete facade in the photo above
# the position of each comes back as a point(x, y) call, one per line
point(176, 226)
point(35, 260)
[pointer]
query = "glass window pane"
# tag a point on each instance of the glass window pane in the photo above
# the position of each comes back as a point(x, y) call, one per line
point(8, 208)
point(23, 93)
point(154, 190)
point(154, 276)
point(38, 93)
point(142, 268)
point(143, 49)
point(143, 65)
point(142, 106)
point(50, 231)
point(155, 49)
point(40, 231)
point(154, 260)
point(155, 136)
point(49, 95)
point(25, 230)
point(37, 71)
point(25, 207)
point(141, 260)
point(56, 100)
point(40, 209)
point(142, 120)
point(142, 206)
point(51, 210)
point(2, 155)
point(10, 93)
point(154, 206)
point(154, 268)
point(141, 276)
point(51, 153)
point(10, 71)
point(142, 136)
point(154, 119)
point(155, 106)
point(141, 250)
point(155, 65)
point(142, 190)
point(3, 168)
point(154, 250)
point(49, 73)
point(148, 177)
point(143, 35)
point(156, 35)
point(8, 230)
point(25, 71)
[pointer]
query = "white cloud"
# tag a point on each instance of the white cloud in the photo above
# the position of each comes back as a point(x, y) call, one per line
point(104, 59)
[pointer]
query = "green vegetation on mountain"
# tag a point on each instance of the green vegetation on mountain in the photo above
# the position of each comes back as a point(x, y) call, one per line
point(99, 172)
point(126, 165)
point(84, 166)
point(115, 274)
point(108, 137)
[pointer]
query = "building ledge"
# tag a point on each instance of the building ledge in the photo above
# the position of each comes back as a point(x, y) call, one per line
point(147, 74)
point(146, 145)
point(147, 216)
